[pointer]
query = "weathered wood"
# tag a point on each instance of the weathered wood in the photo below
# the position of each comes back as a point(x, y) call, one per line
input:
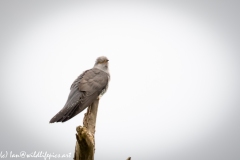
point(90, 117)
point(85, 145)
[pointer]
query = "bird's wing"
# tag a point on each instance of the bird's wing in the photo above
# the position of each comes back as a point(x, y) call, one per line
point(84, 90)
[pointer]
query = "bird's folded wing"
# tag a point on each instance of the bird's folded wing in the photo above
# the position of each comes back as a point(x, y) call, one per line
point(84, 90)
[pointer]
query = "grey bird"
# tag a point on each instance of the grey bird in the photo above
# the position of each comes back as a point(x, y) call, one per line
point(89, 86)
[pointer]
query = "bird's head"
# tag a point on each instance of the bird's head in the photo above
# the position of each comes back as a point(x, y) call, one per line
point(102, 63)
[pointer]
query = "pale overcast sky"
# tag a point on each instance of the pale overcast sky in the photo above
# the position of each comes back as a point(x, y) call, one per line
point(174, 89)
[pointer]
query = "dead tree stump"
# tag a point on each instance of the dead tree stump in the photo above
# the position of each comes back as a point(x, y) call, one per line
point(85, 145)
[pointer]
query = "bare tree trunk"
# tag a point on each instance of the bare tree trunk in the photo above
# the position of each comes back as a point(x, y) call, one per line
point(85, 145)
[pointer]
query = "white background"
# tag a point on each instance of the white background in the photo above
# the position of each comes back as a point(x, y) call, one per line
point(174, 89)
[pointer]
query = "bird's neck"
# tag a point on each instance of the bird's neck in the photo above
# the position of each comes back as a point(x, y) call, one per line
point(102, 67)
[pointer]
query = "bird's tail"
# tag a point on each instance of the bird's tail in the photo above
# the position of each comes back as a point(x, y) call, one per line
point(69, 109)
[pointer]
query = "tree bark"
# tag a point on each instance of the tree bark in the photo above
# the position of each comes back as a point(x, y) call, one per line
point(85, 145)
